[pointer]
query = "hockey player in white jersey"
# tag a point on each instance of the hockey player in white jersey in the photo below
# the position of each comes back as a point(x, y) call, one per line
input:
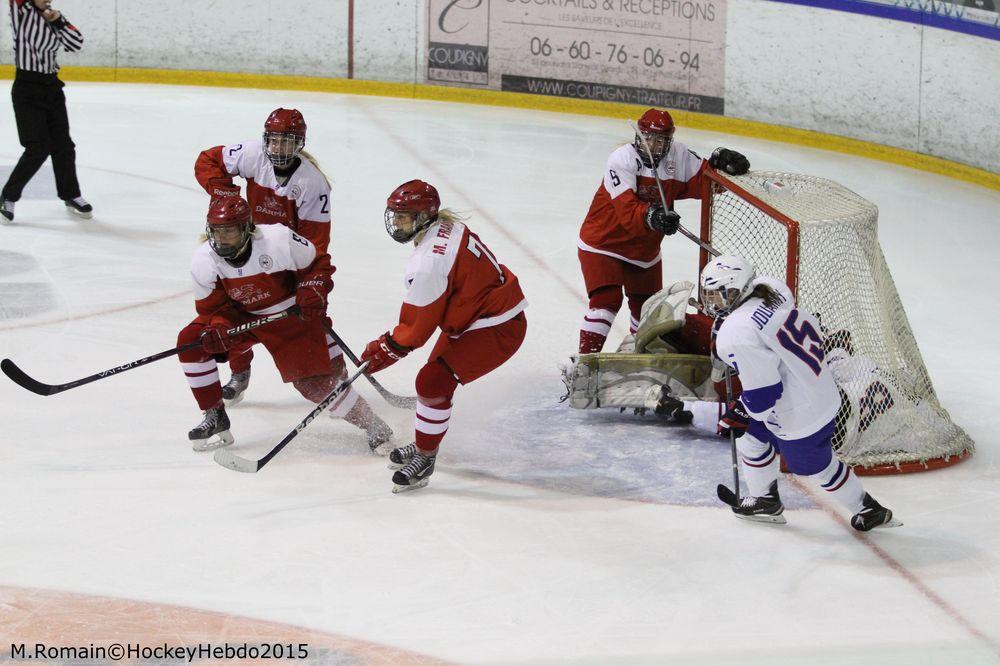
point(789, 399)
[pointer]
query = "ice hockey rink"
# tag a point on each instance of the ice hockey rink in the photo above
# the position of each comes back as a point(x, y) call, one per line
point(546, 535)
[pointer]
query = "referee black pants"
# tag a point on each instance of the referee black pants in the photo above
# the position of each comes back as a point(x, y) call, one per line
point(43, 129)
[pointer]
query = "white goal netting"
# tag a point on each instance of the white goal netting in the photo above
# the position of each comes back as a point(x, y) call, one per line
point(823, 240)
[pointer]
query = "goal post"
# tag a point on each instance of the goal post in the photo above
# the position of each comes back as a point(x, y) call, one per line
point(822, 239)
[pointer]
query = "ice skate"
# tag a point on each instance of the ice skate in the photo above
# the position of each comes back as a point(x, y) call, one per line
point(414, 474)
point(671, 409)
point(872, 516)
point(402, 455)
point(379, 433)
point(79, 207)
point(7, 210)
point(215, 424)
point(234, 389)
point(765, 509)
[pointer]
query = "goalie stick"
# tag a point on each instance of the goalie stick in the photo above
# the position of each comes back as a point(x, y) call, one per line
point(402, 402)
point(663, 199)
point(21, 378)
point(230, 460)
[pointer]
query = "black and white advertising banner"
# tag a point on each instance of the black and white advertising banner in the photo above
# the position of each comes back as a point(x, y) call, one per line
point(668, 53)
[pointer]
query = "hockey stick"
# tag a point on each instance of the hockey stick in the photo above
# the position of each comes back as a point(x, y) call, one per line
point(732, 498)
point(402, 402)
point(230, 460)
point(21, 378)
point(663, 199)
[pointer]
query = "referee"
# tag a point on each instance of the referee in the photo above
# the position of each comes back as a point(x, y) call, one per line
point(40, 105)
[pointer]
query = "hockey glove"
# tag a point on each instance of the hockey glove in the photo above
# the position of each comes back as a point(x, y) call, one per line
point(310, 297)
point(729, 161)
point(222, 187)
point(736, 420)
point(382, 353)
point(664, 221)
point(214, 339)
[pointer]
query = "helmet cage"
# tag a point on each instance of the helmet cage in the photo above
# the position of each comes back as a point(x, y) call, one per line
point(229, 240)
point(659, 144)
point(282, 148)
point(416, 221)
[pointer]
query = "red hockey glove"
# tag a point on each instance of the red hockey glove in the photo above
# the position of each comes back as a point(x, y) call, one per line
point(382, 353)
point(736, 420)
point(214, 339)
point(310, 297)
point(223, 187)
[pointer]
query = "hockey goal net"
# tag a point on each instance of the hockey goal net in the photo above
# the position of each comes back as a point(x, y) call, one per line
point(823, 240)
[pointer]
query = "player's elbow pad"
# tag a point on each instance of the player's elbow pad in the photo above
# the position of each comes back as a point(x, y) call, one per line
point(760, 401)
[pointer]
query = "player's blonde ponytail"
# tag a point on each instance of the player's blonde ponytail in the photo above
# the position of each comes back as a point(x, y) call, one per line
point(315, 163)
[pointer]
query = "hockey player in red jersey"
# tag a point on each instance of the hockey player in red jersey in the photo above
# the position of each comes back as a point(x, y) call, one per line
point(455, 284)
point(619, 243)
point(284, 185)
point(243, 272)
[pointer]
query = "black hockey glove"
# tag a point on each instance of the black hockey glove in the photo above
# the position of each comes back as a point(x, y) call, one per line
point(729, 161)
point(664, 221)
point(736, 420)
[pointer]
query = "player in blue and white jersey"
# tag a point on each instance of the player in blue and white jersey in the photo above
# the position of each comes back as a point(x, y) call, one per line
point(789, 400)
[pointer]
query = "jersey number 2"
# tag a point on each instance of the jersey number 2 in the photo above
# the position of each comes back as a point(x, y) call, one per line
point(477, 248)
point(802, 340)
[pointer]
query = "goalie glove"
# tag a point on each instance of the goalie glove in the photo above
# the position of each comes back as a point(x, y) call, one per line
point(664, 221)
point(736, 420)
point(729, 161)
point(382, 352)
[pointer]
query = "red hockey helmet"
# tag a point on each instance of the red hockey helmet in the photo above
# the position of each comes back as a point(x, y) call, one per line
point(411, 208)
point(229, 226)
point(284, 136)
point(657, 127)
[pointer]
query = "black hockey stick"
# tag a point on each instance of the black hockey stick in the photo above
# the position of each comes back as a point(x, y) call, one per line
point(663, 199)
point(403, 402)
point(230, 460)
point(732, 498)
point(19, 377)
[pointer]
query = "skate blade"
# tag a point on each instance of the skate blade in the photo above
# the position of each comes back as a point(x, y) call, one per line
point(764, 518)
point(236, 399)
point(892, 523)
point(396, 488)
point(201, 445)
point(81, 215)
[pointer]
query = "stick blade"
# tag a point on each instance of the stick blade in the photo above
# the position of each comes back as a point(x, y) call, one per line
point(727, 495)
point(19, 377)
point(230, 460)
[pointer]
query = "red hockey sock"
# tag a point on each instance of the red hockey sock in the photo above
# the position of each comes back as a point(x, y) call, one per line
point(435, 387)
point(604, 305)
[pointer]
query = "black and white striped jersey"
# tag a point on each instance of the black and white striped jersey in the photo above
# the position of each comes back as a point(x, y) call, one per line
point(37, 41)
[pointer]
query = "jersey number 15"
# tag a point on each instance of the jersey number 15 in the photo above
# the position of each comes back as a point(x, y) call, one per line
point(803, 340)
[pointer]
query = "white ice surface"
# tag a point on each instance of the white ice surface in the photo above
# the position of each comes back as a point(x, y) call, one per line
point(545, 534)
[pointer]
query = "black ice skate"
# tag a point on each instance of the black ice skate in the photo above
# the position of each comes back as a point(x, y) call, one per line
point(379, 433)
point(765, 509)
point(79, 207)
point(399, 457)
point(215, 424)
point(671, 409)
point(872, 516)
point(234, 389)
point(7, 210)
point(414, 474)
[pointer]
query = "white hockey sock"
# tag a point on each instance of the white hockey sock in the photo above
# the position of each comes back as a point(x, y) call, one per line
point(759, 462)
point(706, 414)
point(839, 481)
point(598, 320)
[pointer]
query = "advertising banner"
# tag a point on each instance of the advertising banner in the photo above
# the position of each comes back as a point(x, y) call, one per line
point(668, 53)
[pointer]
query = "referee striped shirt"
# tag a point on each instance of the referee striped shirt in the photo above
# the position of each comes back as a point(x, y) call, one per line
point(37, 41)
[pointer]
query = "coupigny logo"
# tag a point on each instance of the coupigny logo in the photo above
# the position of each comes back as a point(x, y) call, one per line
point(295, 192)
point(266, 262)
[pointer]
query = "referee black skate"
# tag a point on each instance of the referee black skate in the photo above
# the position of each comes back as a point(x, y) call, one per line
point(40, 105)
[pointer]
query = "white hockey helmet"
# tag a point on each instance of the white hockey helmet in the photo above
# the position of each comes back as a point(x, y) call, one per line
point(725, 283)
